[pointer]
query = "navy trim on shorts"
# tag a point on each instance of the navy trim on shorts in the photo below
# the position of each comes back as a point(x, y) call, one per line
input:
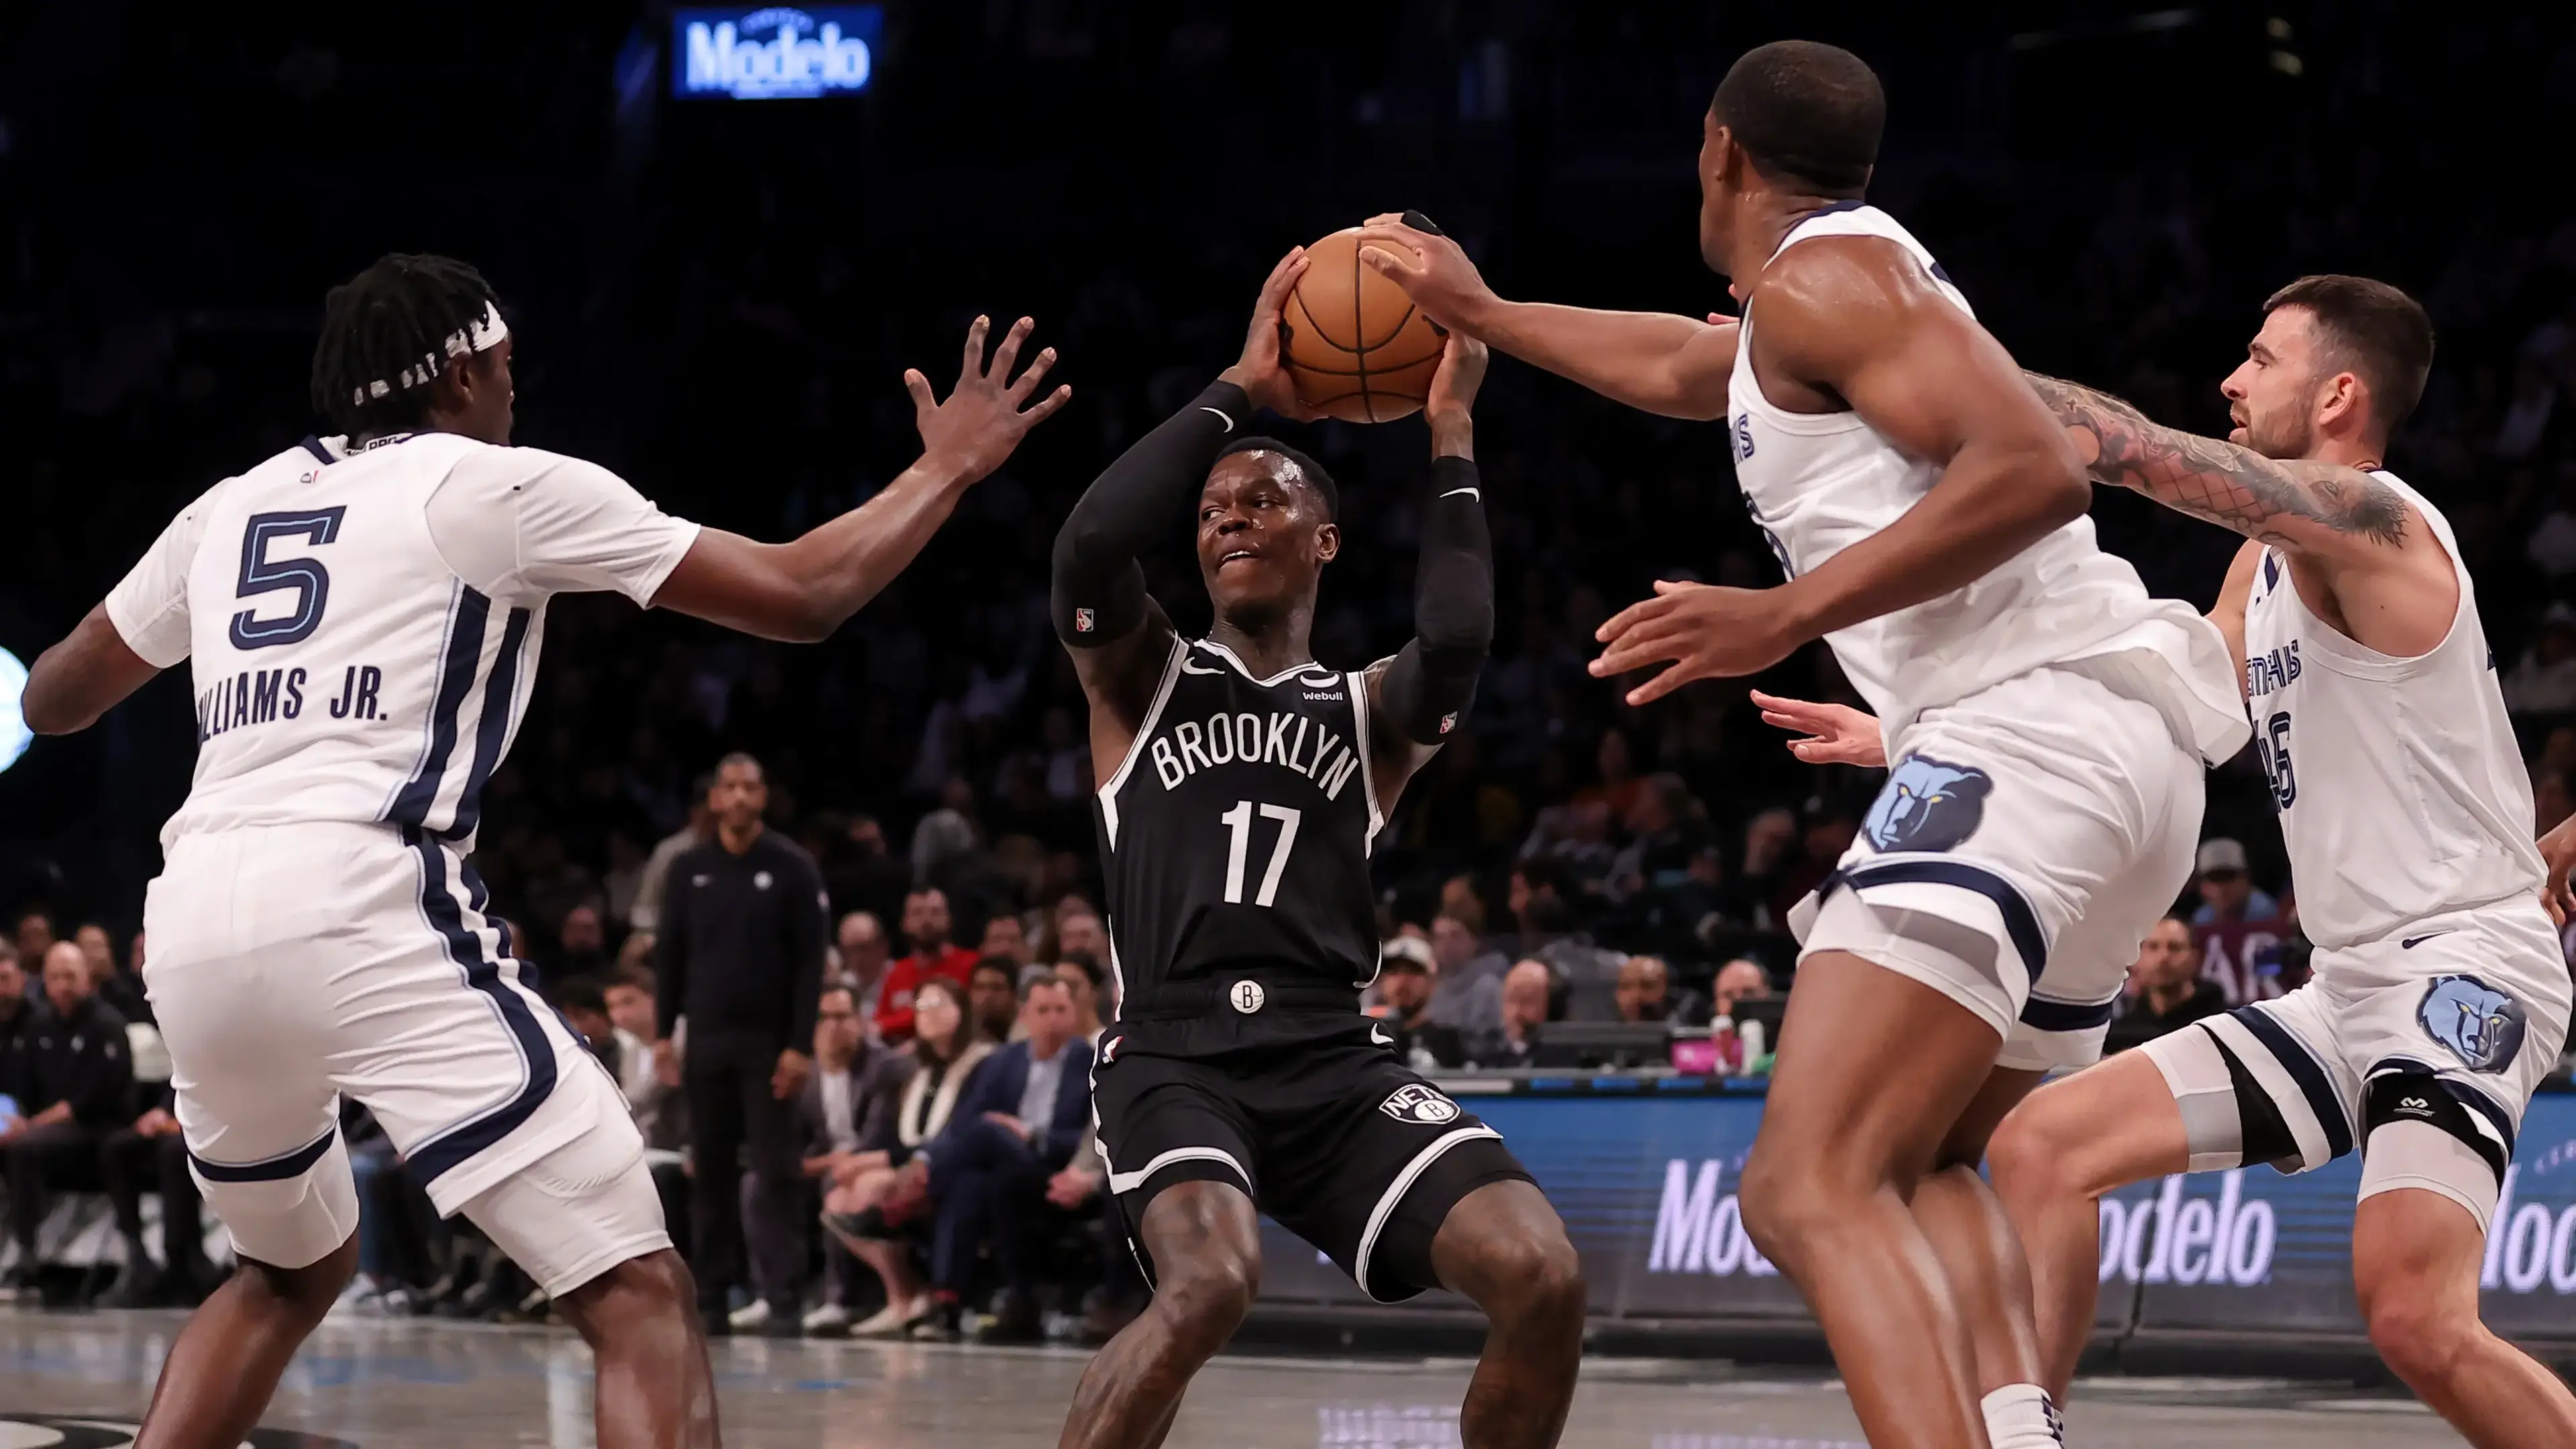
point(2469, 1097)
point(275, 1169)
point(2305, 1070)
point(492, 732)
point(459, 1144)
point(2020, 921)
point(468, 617)
point(2067, 1015)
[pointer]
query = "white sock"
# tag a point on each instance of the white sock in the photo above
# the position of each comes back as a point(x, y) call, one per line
point(2021, 1416)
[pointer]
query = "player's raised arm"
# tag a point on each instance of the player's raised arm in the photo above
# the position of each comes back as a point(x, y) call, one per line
point(138, 630)
point(2325, 509)
point(804, 590)
point(1857, 320)
point(1117, 635)
point(1652, 361)
point(1417, 697)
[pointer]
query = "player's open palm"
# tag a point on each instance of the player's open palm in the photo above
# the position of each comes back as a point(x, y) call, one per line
point(1835, 734)
point(985, 418)
point(1431, 268)
point(1702, 631)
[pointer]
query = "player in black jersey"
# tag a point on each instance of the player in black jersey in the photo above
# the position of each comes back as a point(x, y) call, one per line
point(1243, 786)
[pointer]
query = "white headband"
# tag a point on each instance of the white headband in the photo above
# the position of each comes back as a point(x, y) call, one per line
point(480, 335)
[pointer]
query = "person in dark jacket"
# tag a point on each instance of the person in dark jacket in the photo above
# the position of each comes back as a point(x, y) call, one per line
point(848, 1105)
point(1017, 1122)
point(150, 1152)
point(75, 1085)
point(740, 957)
point(17, 1012)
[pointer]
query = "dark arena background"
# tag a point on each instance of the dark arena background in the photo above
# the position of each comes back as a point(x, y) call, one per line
point(715, 295)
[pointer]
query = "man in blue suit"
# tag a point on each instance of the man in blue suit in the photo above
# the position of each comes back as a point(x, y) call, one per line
point(1015, 1125)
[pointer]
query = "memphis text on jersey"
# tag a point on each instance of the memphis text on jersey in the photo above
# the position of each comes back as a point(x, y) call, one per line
point(258, 696)
point(2276, 670)
point(1300, 742)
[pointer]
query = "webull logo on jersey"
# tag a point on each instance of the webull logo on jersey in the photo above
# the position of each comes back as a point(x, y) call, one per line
point(1295, 741)
point(1927, 805)
point(776, 53)
point(2480, 1025)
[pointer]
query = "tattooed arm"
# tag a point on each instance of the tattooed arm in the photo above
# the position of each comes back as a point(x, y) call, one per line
point(2385, 580)
point(2291, 503)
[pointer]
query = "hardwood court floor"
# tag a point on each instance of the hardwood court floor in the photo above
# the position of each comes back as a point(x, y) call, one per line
point(408, 1383)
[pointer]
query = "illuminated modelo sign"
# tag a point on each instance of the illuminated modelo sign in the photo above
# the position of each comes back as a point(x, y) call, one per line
point(775, 53)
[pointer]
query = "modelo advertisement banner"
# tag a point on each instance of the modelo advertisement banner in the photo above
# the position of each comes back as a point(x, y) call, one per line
point(1647, 1186)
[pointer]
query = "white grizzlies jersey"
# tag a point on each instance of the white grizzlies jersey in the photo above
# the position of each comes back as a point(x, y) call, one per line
point(1820, 482)
point(2400, 786)
point(364, 625)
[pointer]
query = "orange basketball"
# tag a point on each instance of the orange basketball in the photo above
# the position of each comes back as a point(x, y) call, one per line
point(1357, 347)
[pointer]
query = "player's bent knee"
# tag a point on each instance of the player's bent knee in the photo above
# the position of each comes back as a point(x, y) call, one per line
point(2421, 1340)
point(309, 1290)
point(1788, 1199)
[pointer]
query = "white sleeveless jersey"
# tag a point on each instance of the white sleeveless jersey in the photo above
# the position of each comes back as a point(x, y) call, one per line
point(1819, 482)
point(364, 625)
point(2400, 786)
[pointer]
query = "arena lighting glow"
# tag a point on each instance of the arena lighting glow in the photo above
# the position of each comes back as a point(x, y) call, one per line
point(774, 53)
point(14, 734)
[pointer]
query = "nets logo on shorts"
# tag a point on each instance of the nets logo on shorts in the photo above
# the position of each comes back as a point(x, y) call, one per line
point(1927, 805)
point(1416, 1102)
point(1084, 621)
point(2480, 1025)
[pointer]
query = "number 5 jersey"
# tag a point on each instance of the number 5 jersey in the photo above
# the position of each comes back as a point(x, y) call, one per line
point(2400, 786)
point(1235, 838)
point(364, 624)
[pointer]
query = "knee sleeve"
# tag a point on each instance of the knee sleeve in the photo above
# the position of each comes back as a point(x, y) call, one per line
point(2422, 1131)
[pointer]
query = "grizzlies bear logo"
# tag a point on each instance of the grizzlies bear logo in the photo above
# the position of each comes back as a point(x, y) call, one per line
point(1927, 805)
point(2482, 1026)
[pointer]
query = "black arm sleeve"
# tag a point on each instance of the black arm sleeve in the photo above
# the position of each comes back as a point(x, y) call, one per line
point(1099, 587)
point(1433, 679)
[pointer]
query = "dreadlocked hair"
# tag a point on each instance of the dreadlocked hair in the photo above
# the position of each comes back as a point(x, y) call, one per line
point(384, 339)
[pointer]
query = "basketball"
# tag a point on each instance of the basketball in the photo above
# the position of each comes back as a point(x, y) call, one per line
point(1357, 348)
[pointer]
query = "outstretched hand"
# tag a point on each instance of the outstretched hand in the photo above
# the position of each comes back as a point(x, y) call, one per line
point(985, 417)
point(1432, 269)
point(1836, 734)
point(1704, 631)
point(1455, 381)
point(1258, 372)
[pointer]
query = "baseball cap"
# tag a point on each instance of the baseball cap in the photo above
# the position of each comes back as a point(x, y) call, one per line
point(1406, 953)
point(2220, 854)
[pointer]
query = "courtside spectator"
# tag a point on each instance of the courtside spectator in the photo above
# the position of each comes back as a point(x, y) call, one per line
point(1738, 980)
point(925, 928)
point(75, 1085)
point(35, 936)
point(993, 997)
point(945, 1050)
point(2165, 991)
point(150, 1152)
point(1080, 973)
point(106, 982)
point(860, 958)
point(2227, 891)
point(984, 1176)
point(1080, 933)
point(1468, 991)
point(581, 947)
point(2543, 682)
point(1007, 935)
point(1408, 974)
point(1645, 994)
point(850, 1101)
point(2237, 928)
point(650, 1095)
point(16, 1012)
point(1514, 1042)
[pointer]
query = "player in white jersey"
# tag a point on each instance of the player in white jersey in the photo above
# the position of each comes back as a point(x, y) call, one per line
point(362, 614)
point(2051, 719)
point(2440, 996)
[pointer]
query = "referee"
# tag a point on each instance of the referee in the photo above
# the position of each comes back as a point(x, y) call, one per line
point(740, 957)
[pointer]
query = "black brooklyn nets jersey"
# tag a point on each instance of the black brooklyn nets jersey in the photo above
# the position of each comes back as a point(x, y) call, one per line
point(1236, 837)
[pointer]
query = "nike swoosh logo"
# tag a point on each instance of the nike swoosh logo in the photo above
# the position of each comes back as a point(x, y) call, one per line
point(1192, 666)
point(1378, 1034)
point(1220, 417)
point(2411, 942)
point(1470, 492)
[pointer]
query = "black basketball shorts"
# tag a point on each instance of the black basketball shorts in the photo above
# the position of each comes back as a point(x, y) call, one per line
point(1338, 1141)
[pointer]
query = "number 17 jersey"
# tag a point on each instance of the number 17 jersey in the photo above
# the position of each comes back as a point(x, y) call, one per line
point(363, 625)
point(2400, 787)
point(1235, 841)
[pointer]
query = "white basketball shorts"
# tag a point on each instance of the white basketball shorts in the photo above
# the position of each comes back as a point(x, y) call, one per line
point(2419, 1050)
point(291, 964)
point(2026, 839)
